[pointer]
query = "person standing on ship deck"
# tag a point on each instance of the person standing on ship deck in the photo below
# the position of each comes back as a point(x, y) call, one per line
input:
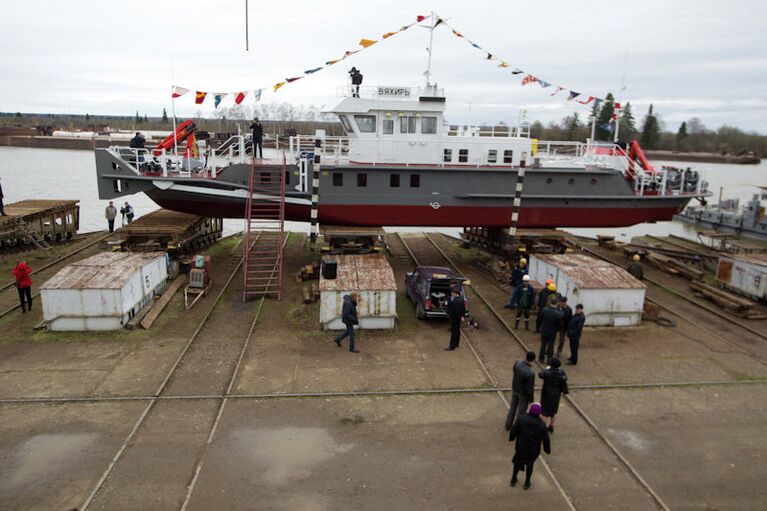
point(110, 213)
point(137, 143)
point(356, 81)
point(258, 137)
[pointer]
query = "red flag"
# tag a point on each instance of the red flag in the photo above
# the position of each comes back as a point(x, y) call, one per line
point(199, 97)
point(289, 80)
point(419, 19)
point(239, 97)
point(587, 101)
point(178, 91)
point(617, 106)
point(529, 79)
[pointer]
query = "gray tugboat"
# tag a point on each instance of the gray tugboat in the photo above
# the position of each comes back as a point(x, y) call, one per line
point(727, 216)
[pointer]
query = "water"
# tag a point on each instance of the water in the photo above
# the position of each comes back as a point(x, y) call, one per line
point(71, 174)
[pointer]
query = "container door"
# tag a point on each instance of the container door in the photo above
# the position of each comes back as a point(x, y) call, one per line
point(724, 271)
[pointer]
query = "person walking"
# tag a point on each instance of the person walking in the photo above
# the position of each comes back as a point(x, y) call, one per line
point(574, 331)
point(554, 385)
point(529, 431)
point(2, 208)
point(356, 81)
point(551, 323)
point(258, 137)
point(543, 298)
point(349, 318)
point(522, 388)
point(456, 310)
point(110, 213)
point(22, 273)
point(635, 268)
point(567, 313)
point(517, 274)
point(127, 212)
point(525, 302)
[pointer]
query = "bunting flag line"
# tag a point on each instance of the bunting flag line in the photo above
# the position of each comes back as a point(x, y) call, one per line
point(528, 79)
point(178, 92)
point(239, 97)
point(586, 102)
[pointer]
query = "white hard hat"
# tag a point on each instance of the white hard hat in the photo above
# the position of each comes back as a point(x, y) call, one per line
point(526, 278)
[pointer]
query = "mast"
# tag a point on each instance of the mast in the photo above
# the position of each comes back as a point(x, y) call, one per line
point(427, 73)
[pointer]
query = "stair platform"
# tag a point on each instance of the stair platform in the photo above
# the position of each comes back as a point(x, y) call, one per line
point(51, 219)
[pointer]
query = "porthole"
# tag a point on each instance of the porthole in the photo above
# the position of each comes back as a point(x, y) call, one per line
point(571, 181)
point(593, 180)
point(549, 180)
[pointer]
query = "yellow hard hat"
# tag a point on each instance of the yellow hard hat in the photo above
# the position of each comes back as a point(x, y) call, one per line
point(552, 287)
point(523, 261)
point(636, 257)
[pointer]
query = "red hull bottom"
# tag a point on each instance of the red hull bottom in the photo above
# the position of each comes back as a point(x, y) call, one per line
point(446, 216)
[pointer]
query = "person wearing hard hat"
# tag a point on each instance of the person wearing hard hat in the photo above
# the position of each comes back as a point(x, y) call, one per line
point(526, 297)
point(543, 298)
point(519, 271)
point(635, 268)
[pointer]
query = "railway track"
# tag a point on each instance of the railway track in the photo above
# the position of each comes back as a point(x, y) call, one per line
point(580, 412)
point(158, 394)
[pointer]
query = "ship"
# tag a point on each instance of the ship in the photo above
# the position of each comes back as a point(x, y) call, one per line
point(401, 164)
point(727, 216)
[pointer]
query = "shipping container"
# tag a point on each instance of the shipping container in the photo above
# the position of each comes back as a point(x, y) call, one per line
point(102, 292)
point(610, 295)
point(372, 278)
point(746, 274)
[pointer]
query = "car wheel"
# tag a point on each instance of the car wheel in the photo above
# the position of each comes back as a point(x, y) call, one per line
point(419, 312)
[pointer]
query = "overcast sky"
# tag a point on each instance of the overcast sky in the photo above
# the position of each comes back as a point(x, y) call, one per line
point(690, 58)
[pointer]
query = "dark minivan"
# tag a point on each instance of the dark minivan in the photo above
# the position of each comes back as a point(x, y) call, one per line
point(428, 287)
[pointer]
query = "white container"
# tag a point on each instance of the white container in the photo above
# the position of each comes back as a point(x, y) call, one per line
point(610, 295)
point(102, 292)
point(745, 274)
point(371, 277)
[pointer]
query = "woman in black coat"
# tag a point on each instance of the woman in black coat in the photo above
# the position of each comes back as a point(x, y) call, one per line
point(529, 431)
point(554, 385)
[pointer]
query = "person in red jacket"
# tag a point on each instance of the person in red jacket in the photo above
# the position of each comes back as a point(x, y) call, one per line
point(23, 284)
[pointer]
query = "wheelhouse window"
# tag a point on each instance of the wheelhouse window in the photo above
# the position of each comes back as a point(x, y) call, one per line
point(366, 123)
point(429, 125)
point(415, 180)
point(388, 127)
point(346, 124)
point(508, 156)
point(492, 156)
point(394, 180)
point(407, 124)
point(463, 155)
point(362, 180)
point(338, 179)
point(447, 156)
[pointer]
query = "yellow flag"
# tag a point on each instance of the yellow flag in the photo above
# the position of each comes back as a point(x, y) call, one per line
point(388, 34)
point(367, 42)
point(503, 64)
point(278, 85)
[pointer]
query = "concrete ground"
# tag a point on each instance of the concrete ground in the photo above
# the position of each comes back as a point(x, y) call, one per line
point(426, 447)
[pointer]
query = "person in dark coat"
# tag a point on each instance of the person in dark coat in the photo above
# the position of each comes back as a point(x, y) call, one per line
point(551, 323)
point(2, 208)
point(517, 273)
point(574, 331)
point(529, 431)
point(554, 385)
point(258, 137)
point(456, 310)
point(22, 274)
point(525, 302)
point(349, 318)
point(543, 298)
point(635, 268)
point(356, 76)
point(137, 142)
point(522, 388)
point(567, 313)
point(127, 212)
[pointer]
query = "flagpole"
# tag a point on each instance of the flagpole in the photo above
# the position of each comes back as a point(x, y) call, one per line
point(431, 41)
point(173, 112)
point(246, 25)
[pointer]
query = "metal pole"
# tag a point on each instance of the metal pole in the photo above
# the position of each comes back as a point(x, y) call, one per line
point(431, 40)
point(246, 25)
point(173, 111)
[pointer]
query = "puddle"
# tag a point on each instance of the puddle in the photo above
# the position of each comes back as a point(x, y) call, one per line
point(631, 439)
point(41, 458)
point(284, 455)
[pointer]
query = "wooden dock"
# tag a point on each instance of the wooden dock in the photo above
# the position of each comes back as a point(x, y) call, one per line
point(34, 219)
point(164, 229)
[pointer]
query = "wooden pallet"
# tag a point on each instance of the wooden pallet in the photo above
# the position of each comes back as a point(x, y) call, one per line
point(164, 229)
point(32, 220)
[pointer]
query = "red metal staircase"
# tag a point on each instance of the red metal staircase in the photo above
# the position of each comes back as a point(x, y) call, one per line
point(264, 231)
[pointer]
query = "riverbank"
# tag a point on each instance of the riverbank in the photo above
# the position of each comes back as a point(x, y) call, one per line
point(701, 157)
